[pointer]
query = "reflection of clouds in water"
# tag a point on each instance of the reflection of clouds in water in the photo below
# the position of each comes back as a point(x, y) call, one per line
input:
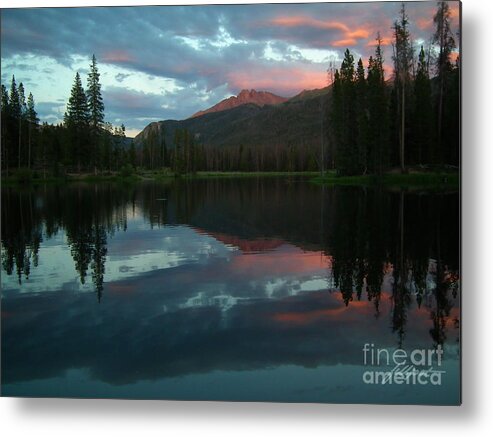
point(221, 312)
point(136, 336)
point(230, 276)
point(131, 253)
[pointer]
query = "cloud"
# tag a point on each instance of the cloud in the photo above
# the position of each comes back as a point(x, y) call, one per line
point(308, 22)
point(120, 77)
point(424, 23)
point(141, 108)
point(214, 49)
point(349, 42)
point(117, 56)
point(347, 36)
point(385, 41)
point(131, 338)
point(277, 78)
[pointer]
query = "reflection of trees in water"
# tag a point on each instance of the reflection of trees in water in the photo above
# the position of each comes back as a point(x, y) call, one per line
point(21, 233)
point(370, 234)
point(88, 214)
point(358, 242)
point(414, 237)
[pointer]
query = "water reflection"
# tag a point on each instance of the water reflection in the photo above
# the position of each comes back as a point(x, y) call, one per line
point(221, 275)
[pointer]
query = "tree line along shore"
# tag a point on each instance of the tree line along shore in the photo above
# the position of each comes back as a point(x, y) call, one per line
point(405, 129)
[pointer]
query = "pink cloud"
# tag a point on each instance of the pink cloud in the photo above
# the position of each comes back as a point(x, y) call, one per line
point(359, 33)
point(424, 23)
point(117, 56)
point(348, 42)
point(348, 37)
point(294, 21)
point(386, 41)
point(284, 261)
point(287, 81)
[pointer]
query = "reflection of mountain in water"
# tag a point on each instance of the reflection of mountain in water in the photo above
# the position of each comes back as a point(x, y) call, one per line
point(246, 246)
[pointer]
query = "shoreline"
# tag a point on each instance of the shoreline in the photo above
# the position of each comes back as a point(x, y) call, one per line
point(437, 179)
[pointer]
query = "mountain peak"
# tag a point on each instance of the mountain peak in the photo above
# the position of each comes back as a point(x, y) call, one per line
point(246, 92)
point(244, 97)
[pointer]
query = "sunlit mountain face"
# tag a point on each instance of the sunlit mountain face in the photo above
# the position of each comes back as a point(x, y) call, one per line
point(251, 289)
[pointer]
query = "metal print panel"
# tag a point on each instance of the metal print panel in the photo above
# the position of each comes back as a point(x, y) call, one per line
point(232, 202)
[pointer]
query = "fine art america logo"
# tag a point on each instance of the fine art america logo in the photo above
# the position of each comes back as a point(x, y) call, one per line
point(415, 367)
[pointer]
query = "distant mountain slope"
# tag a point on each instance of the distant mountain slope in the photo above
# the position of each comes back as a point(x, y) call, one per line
point(293, 122)
point(259, 98)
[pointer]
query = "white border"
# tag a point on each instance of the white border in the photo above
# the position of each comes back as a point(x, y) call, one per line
point(23, 417)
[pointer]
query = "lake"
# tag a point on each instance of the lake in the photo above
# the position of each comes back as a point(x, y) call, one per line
point(248, 289)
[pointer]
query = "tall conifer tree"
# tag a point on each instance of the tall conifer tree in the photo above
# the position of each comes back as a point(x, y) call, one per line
point(444, 39)
point(361, 117)
point(32, 120)
point(5, 129)
point(403, 55)
point(423, 113)
point(378, 112)
point(22, 117)
point(96, 111)
point(77, 122)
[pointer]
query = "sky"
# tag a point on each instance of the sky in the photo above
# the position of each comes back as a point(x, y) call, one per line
point(168, 62)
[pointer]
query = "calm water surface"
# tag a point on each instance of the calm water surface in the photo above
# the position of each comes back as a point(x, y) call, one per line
point(249, 289)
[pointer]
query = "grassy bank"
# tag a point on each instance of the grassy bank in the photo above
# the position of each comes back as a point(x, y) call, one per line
point(60, 180)
point(35, 179)
point(241, 174)
point(445, 179)
point(438, 179)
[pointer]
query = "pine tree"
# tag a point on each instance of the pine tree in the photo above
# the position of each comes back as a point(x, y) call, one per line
point(378, 121)
point(444, 39)
point(95, 106)
point(94, 98)
point(361, 117)
point(77, 120)
point(107, 146)
point(118, 145)
point(422, 125)
point(23, 111)
point(16, 114)
point(22, 99)
point(32, 120)
point(344, 107)
point(336, 115)
point(403, 55)
point(14, 103)
point(5, 128)
point(5, 99)
point(77, 108)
